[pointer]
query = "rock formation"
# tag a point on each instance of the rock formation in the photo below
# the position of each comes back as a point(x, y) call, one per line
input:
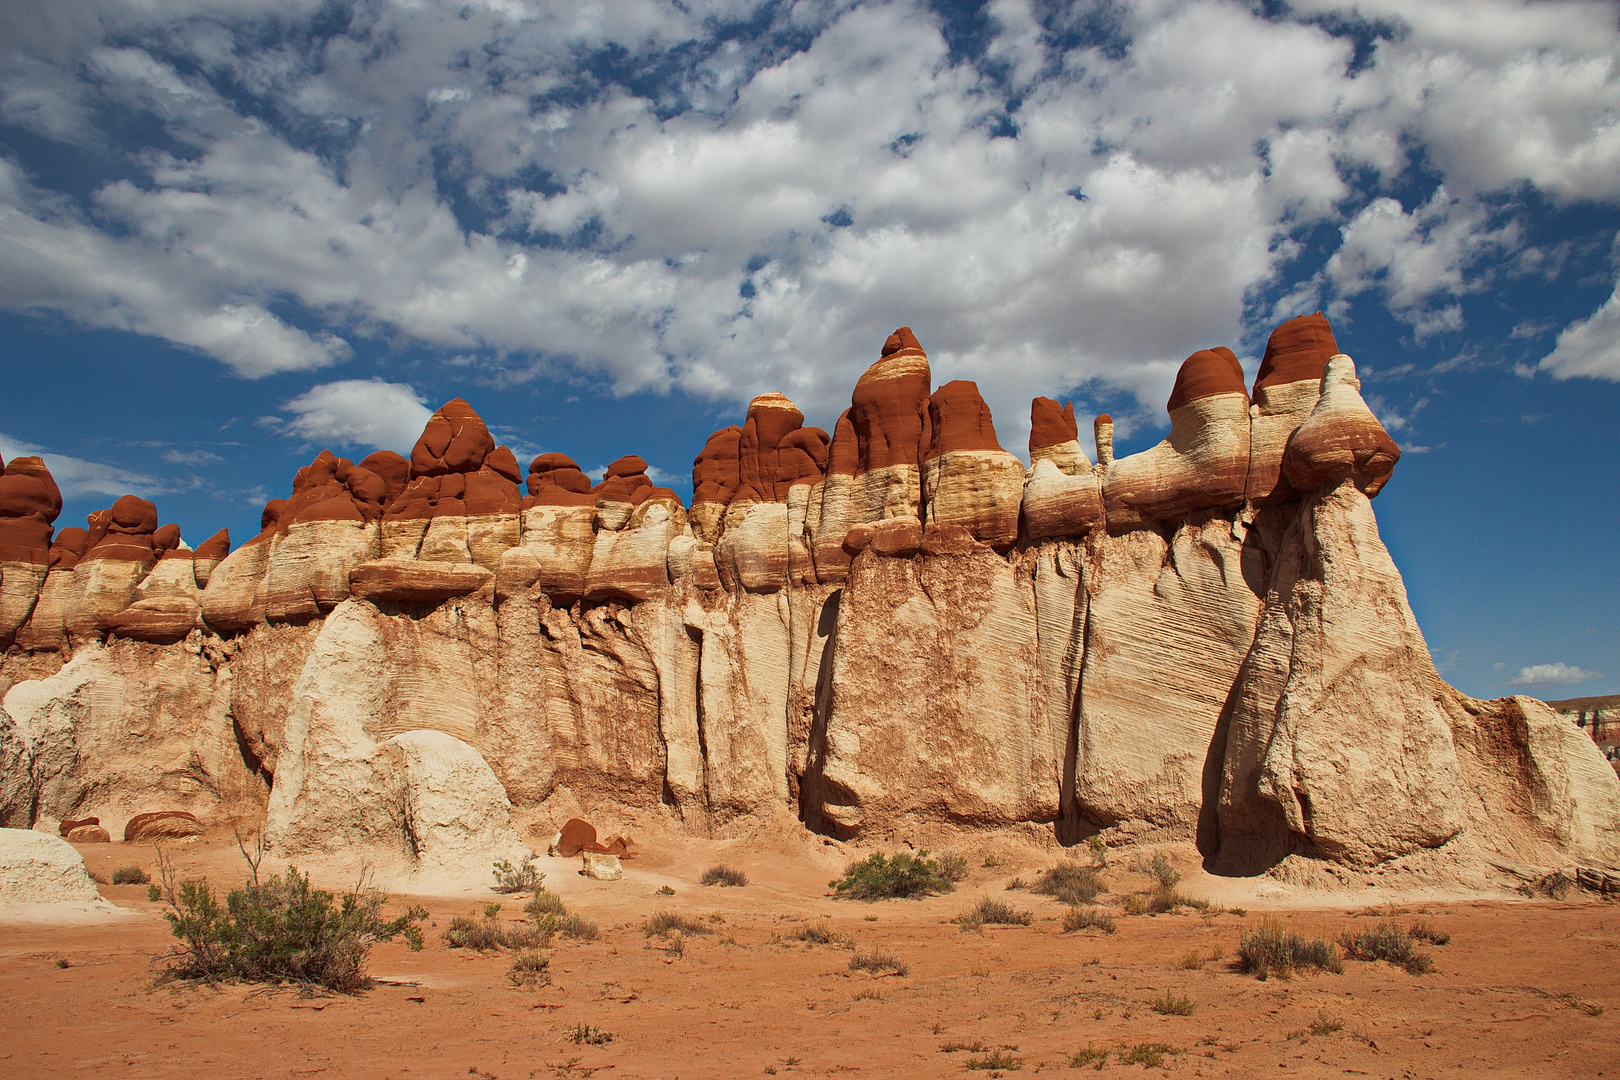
point(896, 626)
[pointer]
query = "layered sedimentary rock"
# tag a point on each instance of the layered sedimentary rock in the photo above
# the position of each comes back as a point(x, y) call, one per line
point(895, 627)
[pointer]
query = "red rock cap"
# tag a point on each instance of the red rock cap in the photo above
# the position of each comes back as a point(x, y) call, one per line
point(454, 441)
point(1296, 351)
point(1051, 424)
point(1206, 373)
point(958, 419)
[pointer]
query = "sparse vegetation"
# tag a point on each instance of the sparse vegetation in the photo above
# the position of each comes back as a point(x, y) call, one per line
point(878, 961)
point(665, 890)
point(490, 933)
point(1094, 1056)
point(1166, 898)
point(1191, 960)
point(1164, 874)
point(665, 923)
point(1420, 931)
point(1099, 851)
point(723, 875)
point(1070, 882)
point(954, 1046)
point(991, 912)
point(516, 879)
point(1150, 1055)
point(1325, 1024)
point(530, 967)
point(1017, 883)
point(1088, 918)
point(1386, 941)
point(588, 1035)
point(819, 933)
point(130, 875)
point(544, 902)
point(1269, 949)
point(992, 861)
point(881, 877)
point(577, 927)
point(1168, 1004)
point(996, 1060)
point(278, 930)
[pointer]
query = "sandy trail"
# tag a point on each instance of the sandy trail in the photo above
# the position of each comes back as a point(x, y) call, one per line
point(1523, 989)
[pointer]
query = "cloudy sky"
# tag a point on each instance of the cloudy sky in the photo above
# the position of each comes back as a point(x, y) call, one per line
point(233, 233)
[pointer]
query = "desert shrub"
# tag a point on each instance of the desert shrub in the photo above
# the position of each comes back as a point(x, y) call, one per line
point(1191, 960)
point(1168, 1004)
point(1325, 1024)
point(953, 1046)
point(723, 875)
point(992, 861)
point(1165, 898)
point(1164, 874)
point(1135, 904)
point(1088, 918)
point(588, 1035)
point(278, 930)
point(989, 912)
point(1017, 883)
point(130, 875)
point(530, 967)
point(1149, 1055)
point(665, 923)
point(952, 867)
point(879, 961)
point(1386, 941)
point(880, 877)
point(516, 879)
point(996, 1060)
point(490, 933)
point(576, 926)
point(1094, 1056)
point(544, 902)
point(1420, 930)
point(1069, 882)
point(1270, 949)
point(819, 933)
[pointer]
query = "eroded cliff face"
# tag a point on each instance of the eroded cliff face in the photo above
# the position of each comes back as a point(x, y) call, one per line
point(892, 627)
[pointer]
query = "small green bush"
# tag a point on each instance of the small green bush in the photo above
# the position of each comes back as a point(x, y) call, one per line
point(530, 968)
point(881, 877)
point(1088, 918)
point(1148, 1055)
point(723, 875)
point(1386, 941)
point(989, 912)
point(1094, 1056)
point(1164, 874)
point(665, 923)
point(544, 902)
point(489, 933)
point(576, 926)
point(1168, 1004)
point(879, 961)
point(1269, 949)
point(516, 879)
point(1420, 930)
point(996, 1060)
point(130, 875)
point(279, 930)
point(1070, 882)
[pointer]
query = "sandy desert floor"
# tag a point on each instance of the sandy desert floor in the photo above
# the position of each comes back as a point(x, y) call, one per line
point(1526, 988)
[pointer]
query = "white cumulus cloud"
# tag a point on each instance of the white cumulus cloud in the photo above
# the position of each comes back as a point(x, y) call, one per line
point(1559, 674)
point(358, 412)
point(1590, 346)
point(79, 478)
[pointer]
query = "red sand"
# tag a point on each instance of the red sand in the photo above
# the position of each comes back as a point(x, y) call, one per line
point(1523, 989)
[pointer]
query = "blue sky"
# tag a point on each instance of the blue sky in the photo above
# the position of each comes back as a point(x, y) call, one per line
point(235, 233)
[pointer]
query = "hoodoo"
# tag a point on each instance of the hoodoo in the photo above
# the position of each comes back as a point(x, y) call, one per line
point(895, 627)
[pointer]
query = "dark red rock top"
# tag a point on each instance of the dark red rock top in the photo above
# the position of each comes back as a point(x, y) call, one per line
point(775, 452)
point(629, 465)
point(556, 480)
point(69, 547)
point(504, 463)
point(215, 547)
point(165, 539)
point(1051, 423)
point(1297, 350)
point(1206, 373)
point(843, 456)
point(716, 472)
point(889, 406)
point(331, 488)
point(395, 470)
point(801, 458)
point(455, 441)
point(29, 502)
point(125, 531)
point(273, 510)
point(627, 481)
point(959, 419)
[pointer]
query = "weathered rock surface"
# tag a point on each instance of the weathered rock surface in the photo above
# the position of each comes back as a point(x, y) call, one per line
point(36, 868)
point(162, 825)
point(896, 627)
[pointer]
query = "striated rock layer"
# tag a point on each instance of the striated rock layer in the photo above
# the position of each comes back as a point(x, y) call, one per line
point(891, 627)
